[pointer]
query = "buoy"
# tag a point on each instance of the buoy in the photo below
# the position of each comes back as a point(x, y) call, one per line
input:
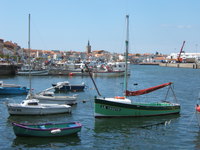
point(198, 108)
point(71, 74)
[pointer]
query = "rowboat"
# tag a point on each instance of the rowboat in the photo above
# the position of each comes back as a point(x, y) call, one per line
point(46, 130)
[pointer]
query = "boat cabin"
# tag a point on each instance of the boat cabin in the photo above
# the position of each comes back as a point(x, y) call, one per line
point(32, 102)
point(48, 94)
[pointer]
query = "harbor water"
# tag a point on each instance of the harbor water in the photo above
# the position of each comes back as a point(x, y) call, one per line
point(161, 132)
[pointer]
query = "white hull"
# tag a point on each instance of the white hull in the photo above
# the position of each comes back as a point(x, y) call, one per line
point(17, 109)
point(108, 74)
point(70, 100)
point(33, 72)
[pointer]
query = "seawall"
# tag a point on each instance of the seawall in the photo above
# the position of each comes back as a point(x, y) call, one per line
point(7, 69)
point(181, 65)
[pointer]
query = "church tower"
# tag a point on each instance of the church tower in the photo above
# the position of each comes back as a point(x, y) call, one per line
point(88, 48)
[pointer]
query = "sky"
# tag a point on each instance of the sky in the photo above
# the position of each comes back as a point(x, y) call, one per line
point(155, 25)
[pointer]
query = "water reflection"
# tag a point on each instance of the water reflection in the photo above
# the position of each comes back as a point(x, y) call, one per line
point(109, 124)
point(57, 118)
point(50, 142)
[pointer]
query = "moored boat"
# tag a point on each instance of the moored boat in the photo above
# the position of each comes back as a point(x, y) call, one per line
point(46, 130)
point(124, 107)
point(51, 98)
point(33, 107)
point(66, 86)
point(10, 89)
point(34, 72)
point(107, 73)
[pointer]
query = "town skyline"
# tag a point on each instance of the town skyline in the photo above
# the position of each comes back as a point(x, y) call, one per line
point(68, 25)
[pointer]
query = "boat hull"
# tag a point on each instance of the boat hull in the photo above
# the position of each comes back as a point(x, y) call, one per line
point(47, 130)
point(108, 74)
point(70, 100)
point(33, 72)
point(104, 108)
point(70, 88)
point(13, 90)
point(28, 110)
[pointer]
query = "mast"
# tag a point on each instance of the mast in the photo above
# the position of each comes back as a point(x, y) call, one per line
point(29, 49)
point(126, 53)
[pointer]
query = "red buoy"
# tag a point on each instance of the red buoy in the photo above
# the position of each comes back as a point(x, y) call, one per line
point(71, 74)
point(198, 108)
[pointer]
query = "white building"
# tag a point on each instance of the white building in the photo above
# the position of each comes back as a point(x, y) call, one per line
point(185, 56)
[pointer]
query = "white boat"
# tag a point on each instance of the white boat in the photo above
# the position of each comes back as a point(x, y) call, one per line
point(33, 107)
point(51, 98)
point(26, 70)
point(111, 69)
point(107, 73)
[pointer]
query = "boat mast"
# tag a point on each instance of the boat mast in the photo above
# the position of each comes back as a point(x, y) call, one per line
point(126, 53)
point(29, 49)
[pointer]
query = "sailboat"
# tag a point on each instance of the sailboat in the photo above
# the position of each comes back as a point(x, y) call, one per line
point(32, 106)
point(121, 106)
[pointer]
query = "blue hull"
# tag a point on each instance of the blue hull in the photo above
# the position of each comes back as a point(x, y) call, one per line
point(13, 90)
point(71, 88)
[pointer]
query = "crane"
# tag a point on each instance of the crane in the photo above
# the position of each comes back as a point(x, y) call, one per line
point(179, 59)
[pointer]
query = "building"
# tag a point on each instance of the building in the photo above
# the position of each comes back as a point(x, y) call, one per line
point(88, 48)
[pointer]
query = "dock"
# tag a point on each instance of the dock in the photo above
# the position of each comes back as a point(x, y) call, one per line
point(181, 65)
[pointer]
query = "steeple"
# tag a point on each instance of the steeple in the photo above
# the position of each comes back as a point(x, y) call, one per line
point(88, 47)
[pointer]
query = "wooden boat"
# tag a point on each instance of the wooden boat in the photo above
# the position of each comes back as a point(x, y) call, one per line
point(124, 107)
point(33, 107)
point(66, 86)
point(11, 89)
point(46, 130)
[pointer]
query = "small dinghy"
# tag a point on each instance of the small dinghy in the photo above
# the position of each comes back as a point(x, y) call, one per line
point(46, 130)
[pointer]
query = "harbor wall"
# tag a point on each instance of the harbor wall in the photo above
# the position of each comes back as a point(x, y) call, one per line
point(7, 69)
point(181, 65)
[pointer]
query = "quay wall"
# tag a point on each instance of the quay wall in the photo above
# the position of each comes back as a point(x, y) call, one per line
point(7, 69)
point(181, 65)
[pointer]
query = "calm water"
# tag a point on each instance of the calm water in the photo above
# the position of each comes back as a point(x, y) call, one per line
point(179, 132)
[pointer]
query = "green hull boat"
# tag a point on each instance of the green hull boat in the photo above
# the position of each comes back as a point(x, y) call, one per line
point(46, 130)
point(105, 107)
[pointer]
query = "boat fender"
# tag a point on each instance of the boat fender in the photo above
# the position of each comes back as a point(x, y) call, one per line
point(197, 108)
point(55, 131)
point(118, 97)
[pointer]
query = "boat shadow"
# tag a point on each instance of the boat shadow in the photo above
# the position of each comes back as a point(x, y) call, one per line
point(65, 117)
point(50, 142)
point(112, 124)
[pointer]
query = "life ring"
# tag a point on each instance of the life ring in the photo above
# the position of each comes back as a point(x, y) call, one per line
point(118, 97)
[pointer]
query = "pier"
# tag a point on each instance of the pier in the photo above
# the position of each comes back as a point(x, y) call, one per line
point(181, 65)
point(7, 69)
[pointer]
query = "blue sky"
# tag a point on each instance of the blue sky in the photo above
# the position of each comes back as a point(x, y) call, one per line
point(155, 25)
